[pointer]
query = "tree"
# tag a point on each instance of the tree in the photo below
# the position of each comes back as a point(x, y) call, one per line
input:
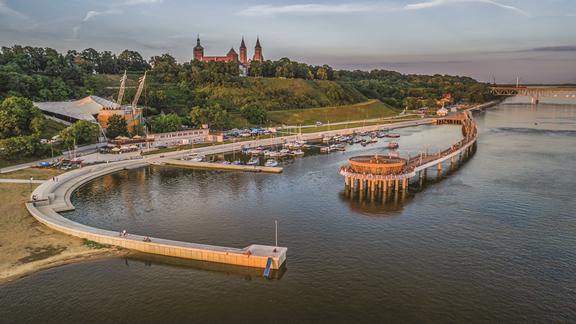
point(214, 116)
point(38, 125)
point(22, 146)
point(254, 113)
point(431, 103)
point(16, 116)
point(165, 124)
point(199, 116)
point(116, 126)
point(84, 132)
point(321, 74)
point(139, 130)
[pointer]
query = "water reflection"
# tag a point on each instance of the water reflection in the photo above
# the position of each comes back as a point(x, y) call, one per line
point(390, 203)
point(248, 273)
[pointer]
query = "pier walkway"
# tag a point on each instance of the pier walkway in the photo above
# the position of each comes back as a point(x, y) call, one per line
point(54, 197)
point(417, 164)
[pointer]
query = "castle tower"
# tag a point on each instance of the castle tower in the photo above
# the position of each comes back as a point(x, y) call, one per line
point(243, 56)
point(258, 51)
point(198, 50)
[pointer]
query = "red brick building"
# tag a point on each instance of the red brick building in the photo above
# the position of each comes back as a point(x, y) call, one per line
point(232, 55)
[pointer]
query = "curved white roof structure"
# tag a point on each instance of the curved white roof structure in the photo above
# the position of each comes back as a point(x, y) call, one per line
point(81, 109)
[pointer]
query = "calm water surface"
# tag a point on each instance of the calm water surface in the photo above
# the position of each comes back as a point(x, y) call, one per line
point(490, 239)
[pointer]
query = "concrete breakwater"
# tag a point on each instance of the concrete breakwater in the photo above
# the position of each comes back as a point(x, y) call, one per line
point(54, 197)
point(229, 167)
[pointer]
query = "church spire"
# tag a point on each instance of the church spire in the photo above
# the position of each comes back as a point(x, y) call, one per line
point(242, 45)
point(258, 42)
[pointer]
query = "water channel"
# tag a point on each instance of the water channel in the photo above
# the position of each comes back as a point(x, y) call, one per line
point(489, 239)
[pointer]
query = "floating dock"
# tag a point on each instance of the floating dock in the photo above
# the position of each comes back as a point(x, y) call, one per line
point(230, 167)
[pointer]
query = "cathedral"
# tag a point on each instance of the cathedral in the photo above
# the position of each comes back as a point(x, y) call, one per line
point(242, 59)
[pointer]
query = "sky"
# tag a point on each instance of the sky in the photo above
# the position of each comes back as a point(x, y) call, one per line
point(531, 39)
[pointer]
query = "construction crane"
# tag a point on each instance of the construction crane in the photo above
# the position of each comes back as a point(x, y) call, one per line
point(137, 96)
point(121, 94)
point(142, 79)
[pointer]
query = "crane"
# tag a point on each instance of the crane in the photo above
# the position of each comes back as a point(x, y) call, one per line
point(142, 79)
point(121, 94)
point(137, 96)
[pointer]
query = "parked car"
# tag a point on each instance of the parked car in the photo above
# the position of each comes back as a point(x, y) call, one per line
point(161, 146)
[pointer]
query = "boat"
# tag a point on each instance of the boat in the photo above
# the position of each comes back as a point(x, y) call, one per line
point(373, 140)
point(77, 160)
point(326, 139)
point(198, 158)
point(254, 161)
point(284, 151)
point(299, 152)
point(238, 162)
point(224, 162)
point(271, 163)
point(356, 140)
point(392, 145)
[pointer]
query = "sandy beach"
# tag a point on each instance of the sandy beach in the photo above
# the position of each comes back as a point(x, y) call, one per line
point(26, 245)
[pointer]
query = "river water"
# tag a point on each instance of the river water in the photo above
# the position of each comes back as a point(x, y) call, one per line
point(489, 239)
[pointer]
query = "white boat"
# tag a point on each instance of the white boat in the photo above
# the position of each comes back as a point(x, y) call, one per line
point(273, 153)
point(271, 163)
point(284, 151)
point(254, 161)
point(197, 159)
point(327, 138)
point(299, 152)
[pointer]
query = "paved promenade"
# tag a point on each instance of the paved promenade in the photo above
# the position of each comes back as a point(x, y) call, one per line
point(54, 197)
point(21, 181)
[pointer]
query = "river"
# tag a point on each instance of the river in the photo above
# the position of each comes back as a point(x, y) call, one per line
point(489, 239)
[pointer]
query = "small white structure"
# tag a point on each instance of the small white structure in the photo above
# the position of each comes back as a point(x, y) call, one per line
point(178, 138)
point(442, 112)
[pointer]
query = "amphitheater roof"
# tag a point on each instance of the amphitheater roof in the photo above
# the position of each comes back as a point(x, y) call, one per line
point(80, 109)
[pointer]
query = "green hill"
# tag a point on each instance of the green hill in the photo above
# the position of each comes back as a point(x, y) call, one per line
point(272, 93)
point(366, 110)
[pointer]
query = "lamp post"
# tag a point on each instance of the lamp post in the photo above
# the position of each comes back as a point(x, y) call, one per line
point(439, 150)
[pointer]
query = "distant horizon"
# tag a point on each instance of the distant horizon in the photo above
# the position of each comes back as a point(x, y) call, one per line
point(475, 38)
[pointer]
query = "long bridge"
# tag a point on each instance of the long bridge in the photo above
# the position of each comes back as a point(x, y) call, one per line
point(536, 93)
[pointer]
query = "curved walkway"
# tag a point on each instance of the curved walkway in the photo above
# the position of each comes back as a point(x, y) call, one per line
point(54, 197)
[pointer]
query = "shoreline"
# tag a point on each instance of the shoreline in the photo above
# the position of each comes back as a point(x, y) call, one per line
point(8, 276)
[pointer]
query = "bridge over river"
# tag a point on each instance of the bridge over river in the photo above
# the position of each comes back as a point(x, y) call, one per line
point(536, 93)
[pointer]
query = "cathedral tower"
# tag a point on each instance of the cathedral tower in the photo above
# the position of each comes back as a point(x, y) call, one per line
point(258, 51)
point(243, 56)
point(198, 50)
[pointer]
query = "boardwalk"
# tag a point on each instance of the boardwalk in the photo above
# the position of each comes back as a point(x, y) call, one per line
point(419, 163)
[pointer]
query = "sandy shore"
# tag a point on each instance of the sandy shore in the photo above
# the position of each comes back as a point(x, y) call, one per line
point(27, 246)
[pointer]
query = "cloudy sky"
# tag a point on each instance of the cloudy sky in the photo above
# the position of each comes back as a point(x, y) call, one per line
point(532, 39)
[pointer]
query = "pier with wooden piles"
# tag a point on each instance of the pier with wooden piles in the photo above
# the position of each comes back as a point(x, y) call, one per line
point(383, 173)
